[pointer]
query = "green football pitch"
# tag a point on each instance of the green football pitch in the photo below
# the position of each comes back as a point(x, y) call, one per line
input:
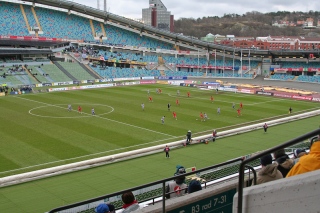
point(38, 132)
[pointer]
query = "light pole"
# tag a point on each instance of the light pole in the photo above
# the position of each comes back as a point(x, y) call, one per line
point(215, 62)
point(233, 63)
point(224, 60)
point(249, 60)
point(241, 63)
point(198, 62)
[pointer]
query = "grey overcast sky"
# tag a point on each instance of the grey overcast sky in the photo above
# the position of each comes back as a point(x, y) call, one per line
point(201, 8)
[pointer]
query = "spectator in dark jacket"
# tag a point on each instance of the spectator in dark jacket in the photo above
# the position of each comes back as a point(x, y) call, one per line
point(194, 186)
point(283, 161)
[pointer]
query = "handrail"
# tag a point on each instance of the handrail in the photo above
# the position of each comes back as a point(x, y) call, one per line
point(254, 174)
point(282, 146)
point(163, 182)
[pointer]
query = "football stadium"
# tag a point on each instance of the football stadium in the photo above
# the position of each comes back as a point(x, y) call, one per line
point(95, 106)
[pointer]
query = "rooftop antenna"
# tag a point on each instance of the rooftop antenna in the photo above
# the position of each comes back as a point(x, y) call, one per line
point(105, 6)
point(98, 4)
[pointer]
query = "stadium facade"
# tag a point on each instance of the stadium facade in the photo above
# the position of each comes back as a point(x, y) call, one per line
point(158, 16)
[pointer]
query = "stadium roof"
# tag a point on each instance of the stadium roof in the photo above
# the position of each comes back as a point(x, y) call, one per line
point(31, 43)
point(19, 51)
point(132, 25)
point(150, 31)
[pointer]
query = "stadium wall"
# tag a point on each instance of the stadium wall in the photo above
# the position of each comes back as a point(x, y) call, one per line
point(29, 176)
point(211, 199)
point(294, 194)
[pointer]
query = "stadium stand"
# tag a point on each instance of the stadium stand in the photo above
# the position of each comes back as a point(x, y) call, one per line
point(31, 20)
point(76, 70)
point(183, 73)
point(282, 77)
point(119, 36)
point(41, 76)
point(123, 56)
point(117, 72)
point(310, 79)
point(11, 80)
point(55, 73)
point(299, 65)
point(15, 75)
point(12, 21)
point(57, 24)
point(97, 28)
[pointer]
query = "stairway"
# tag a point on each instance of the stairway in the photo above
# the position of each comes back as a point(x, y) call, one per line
point(90, 71)
point(265, 69)
point(92, 28)
point(36, 18)
point(25, 17)
point(160, 60)
point(30, 74)
point(103, 30)
point(64, 71)
point(85, 67)
point(162, 65)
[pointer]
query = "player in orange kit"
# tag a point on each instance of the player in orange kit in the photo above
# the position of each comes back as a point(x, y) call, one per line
point(201, 116)
point(174, 114)
point(239, 112)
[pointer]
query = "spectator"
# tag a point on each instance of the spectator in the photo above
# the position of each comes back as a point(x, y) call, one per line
point(283, 161)
point(214, 135)
point(188, 137)
point(194, 186)
point(177, 187)
point(297, 154)
point(309, 162)
point(269, 171)
point(103, 208)
point(265, 127)
point(167, 150)
point(130, 204)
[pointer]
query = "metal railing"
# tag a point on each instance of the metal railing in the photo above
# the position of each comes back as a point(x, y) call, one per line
point(158, 186)
point(259, 155)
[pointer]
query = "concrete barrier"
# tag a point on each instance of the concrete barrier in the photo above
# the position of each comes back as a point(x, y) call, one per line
point(20, 178)
point(295, 194)
point(206, 200)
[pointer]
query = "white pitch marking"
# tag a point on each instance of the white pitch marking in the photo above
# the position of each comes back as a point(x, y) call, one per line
point(97, 116)
point(43, 116)
point(69, 159)
point(127, 147)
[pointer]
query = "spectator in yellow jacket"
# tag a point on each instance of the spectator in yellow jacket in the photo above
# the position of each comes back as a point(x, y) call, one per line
point(309, 162)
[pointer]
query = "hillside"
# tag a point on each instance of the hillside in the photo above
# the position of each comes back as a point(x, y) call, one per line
point(249, 24)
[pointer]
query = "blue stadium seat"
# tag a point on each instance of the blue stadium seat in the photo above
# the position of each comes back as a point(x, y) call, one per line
point(11, 20)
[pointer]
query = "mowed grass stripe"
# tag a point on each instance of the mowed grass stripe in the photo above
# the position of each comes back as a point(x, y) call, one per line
point(21, 154)
point(6, 162)
point(127, 127)
point(53, 192)
point(40, 140)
